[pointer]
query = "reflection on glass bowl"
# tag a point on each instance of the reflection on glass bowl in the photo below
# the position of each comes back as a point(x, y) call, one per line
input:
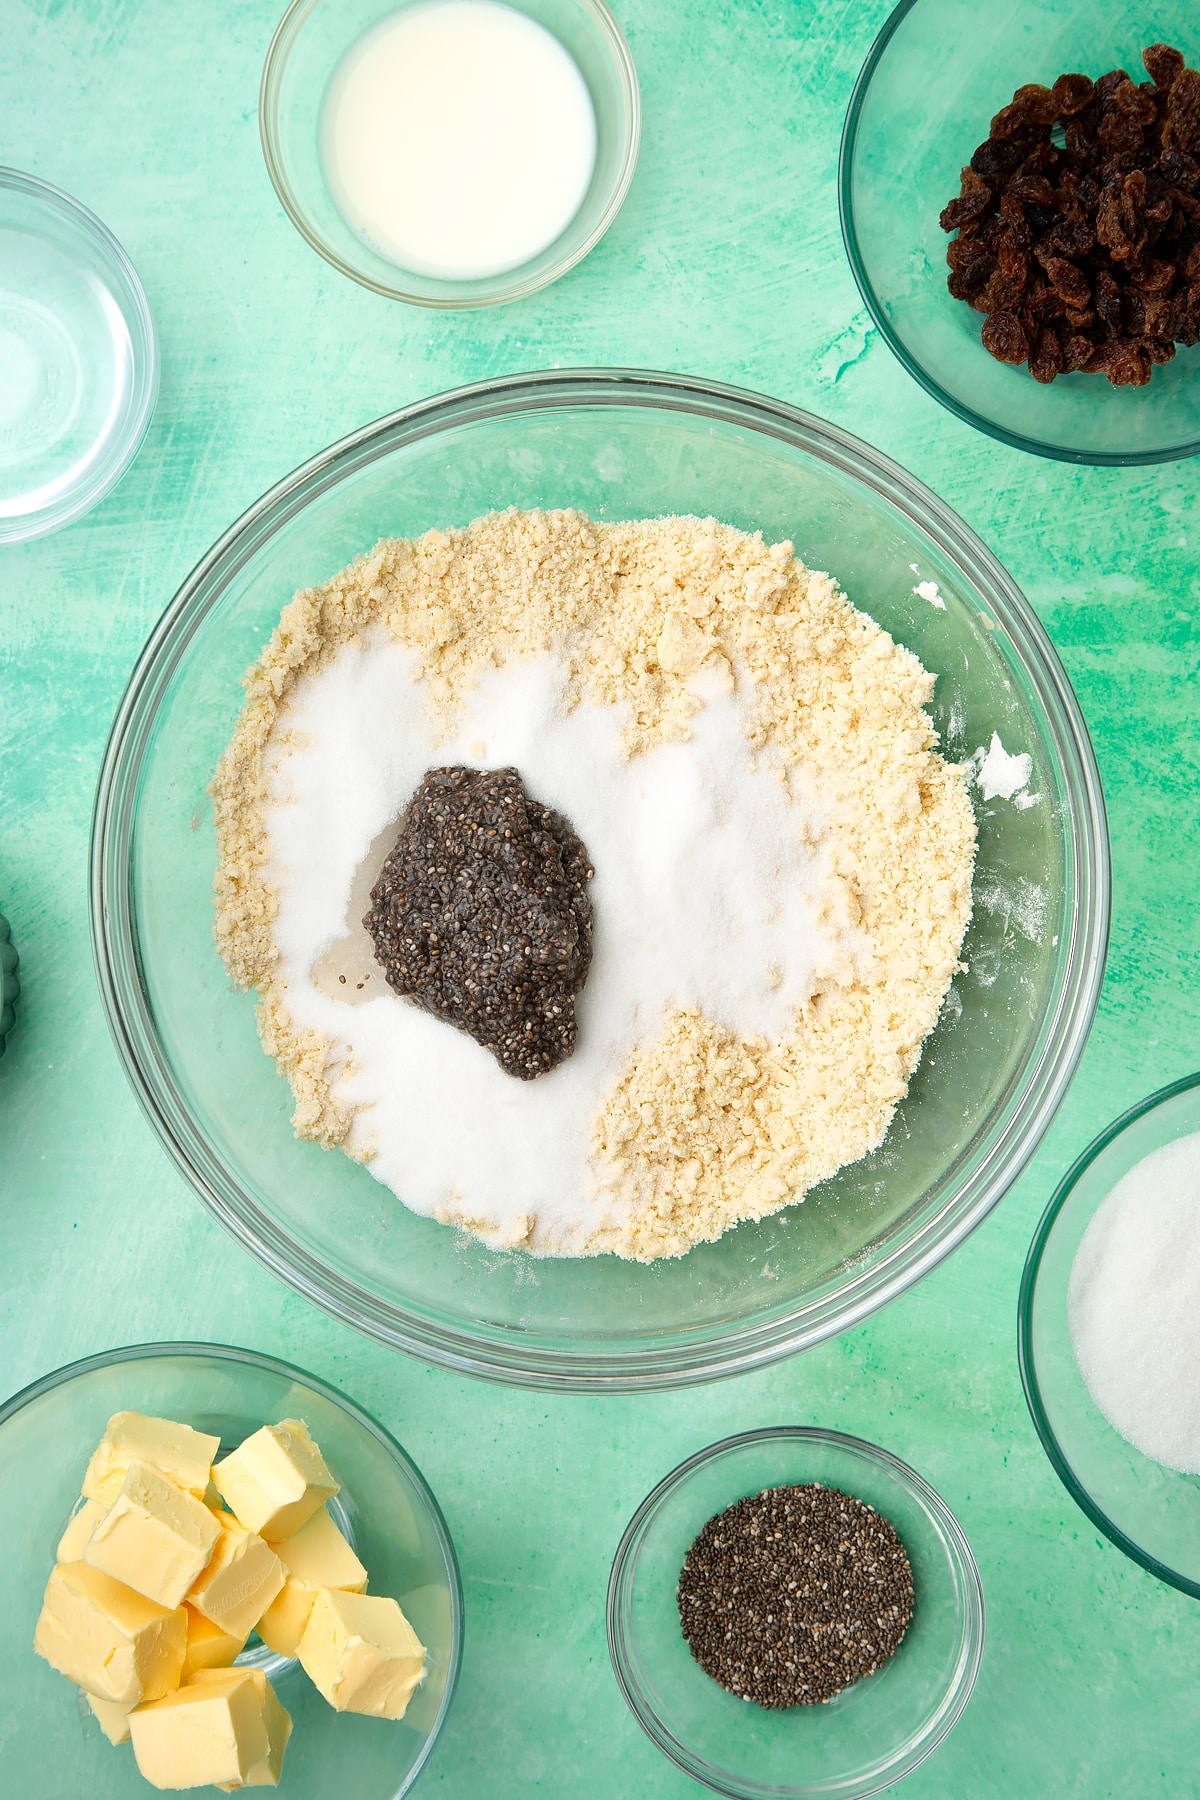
point(614, 444)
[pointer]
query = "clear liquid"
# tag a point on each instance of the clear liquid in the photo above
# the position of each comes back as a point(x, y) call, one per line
point(66, 372)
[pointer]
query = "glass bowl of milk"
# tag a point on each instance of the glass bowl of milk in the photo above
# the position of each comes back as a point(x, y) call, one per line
point(450, 153)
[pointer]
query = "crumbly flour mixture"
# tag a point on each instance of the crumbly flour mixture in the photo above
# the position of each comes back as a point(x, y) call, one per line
point(783, 870)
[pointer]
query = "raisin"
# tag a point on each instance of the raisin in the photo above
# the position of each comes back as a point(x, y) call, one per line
point(1044, 306)
point(1014, 265)
point(1037, 103)
point(969, 284)
point(1154, 276)
point(1108, 84)
point(973, 201)
point(1077, 353)
point(1131, 369)
point(1180, 169)
point(1071, 94)
point(1070, 238)
point(1046, 357)
point(1000, 294)
point(1121, 218)
point(1108, 301)
point(1004, 337)
point(1183, 109)
point(1157, 317)
point(1017, 225)
point(1112, 218)
point(1133, 313)
point(968, 257)
point(1137, 104)
point(1162, 64)
point(1079, 139)
point(1119, 136)
point(1070, 283)
point(996, 162)
point(1012, 119)
point(1032, 190)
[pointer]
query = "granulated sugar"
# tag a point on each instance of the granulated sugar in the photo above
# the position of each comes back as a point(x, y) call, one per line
point(704, 896)
point(1133, 1305)
point(783, 869)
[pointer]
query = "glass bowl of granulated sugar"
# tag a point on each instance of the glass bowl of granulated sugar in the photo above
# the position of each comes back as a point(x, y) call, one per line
point(1109, 1333)
point(997, 1052)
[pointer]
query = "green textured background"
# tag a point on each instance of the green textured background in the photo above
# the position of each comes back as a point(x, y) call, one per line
point(725, 262)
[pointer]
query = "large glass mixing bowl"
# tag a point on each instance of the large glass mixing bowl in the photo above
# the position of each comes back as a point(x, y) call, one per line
point(615, 444)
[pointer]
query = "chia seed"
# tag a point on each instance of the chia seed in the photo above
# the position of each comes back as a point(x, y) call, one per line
point(481, 915)
point(793, 1594)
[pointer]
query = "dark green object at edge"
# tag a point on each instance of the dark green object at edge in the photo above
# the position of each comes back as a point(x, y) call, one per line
point(10, 986)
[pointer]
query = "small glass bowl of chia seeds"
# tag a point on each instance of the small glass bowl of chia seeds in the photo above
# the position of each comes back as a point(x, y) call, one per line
point(866, 1737)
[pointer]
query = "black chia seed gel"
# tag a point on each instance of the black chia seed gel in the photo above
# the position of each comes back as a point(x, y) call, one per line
point(792, 1594)
point(481, 915)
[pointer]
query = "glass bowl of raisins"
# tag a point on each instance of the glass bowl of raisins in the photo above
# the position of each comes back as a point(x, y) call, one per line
point(1020, 201)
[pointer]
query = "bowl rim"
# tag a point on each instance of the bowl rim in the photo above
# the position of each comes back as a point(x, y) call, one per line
point(149, 1352)
point(143, 342)
point(508, 284)
point(1027, 1361)
point(519, 1359)
point(620, 1575)
point(845, 182)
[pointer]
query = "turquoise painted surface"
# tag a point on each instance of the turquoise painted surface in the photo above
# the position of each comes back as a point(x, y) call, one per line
point(725, 262)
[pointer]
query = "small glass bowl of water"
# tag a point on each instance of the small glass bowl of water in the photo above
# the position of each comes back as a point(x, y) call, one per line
point(315, 43)
point(78, 359)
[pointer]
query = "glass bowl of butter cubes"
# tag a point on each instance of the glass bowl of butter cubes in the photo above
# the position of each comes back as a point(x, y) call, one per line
point(217, 1571)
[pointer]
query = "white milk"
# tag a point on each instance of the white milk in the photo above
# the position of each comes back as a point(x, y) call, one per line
point(458, 138)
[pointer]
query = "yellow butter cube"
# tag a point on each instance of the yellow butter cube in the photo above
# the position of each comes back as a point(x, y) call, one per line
point(362, 1653)
point(282, 1625)
point(154, 1537)
point(80, 1527)
point(208, 1646)
point(317, 1556)
point(278, 1723)
point(175, 1450)
point(113, 1717)
point(241, 1580)
point(202, 1733)
point(275, 1480)
point(110, 1641)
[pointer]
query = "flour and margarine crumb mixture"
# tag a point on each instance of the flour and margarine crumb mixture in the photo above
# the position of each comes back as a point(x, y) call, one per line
point(780, 872)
